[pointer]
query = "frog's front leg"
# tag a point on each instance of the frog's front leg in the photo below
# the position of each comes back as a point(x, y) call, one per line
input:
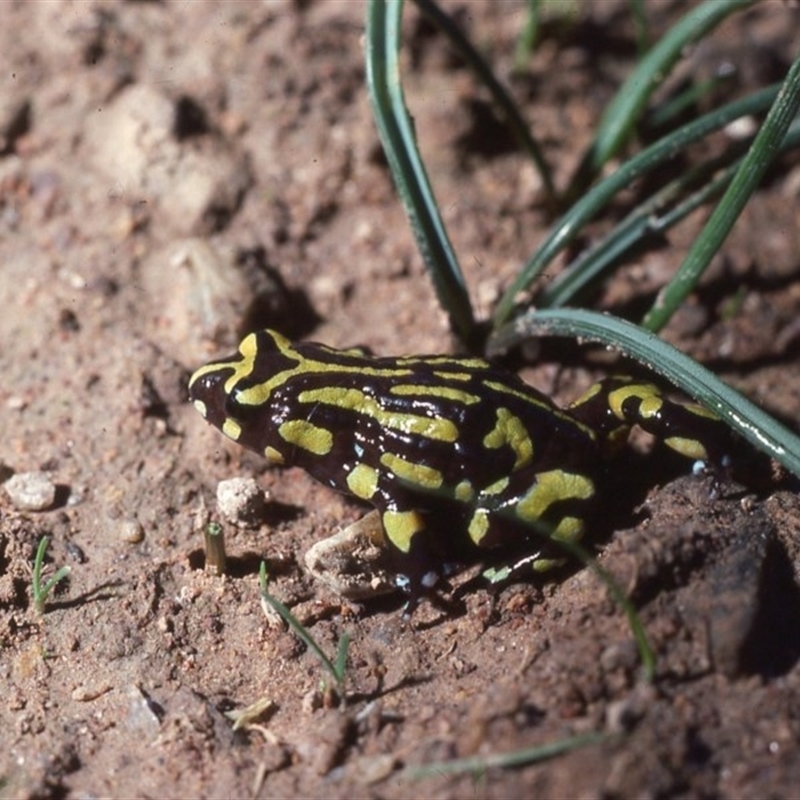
point(417, 570)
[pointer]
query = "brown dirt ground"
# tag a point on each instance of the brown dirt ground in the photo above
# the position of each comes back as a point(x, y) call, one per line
point(162, 165)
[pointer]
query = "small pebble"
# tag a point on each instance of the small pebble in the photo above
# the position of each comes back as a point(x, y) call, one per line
point(372, 769)
point(31, 491)
point(88, 692)
point(144, 714)
point(131, 531)
point(241, 501)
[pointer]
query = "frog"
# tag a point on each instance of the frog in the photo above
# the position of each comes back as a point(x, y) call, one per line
point(459, 458)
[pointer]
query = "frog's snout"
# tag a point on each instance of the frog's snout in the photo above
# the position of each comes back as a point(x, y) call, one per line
point(207, 393)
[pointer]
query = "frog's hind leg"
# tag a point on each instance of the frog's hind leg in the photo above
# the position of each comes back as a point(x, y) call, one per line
point(613, 405)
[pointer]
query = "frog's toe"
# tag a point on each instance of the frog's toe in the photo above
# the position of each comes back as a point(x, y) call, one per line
point(431, 586)
point(417, 588)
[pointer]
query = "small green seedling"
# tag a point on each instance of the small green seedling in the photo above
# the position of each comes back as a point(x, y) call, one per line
point(337, 669)
point(40, 592)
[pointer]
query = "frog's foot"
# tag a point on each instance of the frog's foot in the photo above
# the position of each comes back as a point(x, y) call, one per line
point(439, 595)
point(421, 570)
point(418, 588)
point(416, 575)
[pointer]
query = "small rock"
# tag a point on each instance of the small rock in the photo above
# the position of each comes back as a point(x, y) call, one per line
point(735, 584)
point(144, 714)
point(327, 740)
point(624, 714)
point(31, 491)
point(372, 769)
point(755, 608)
point(131, 531)
point(196, 294)
point(196, 187)
point(88, 692)
point(355, 563)
point(241, 501)
point(312, 701)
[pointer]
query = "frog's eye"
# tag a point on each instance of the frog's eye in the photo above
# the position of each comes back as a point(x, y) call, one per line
point(234, 409)
point(207, 393)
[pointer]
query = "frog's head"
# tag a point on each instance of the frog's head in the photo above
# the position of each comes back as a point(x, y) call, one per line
point(230, 391)
point(207, 391)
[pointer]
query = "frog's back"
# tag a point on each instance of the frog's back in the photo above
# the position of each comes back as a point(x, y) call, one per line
point(459, 416)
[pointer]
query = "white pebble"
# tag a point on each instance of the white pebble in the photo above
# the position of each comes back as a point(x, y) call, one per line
point(241, 501)
point(31, 491)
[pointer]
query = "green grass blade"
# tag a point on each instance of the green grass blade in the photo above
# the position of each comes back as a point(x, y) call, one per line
point(751, 422)
point(397, 136)
point(528, 36)
point(663, 116)
point(302, 633)
point(640, 23)
point(500, 96)
point(761, 154)
point(341, 657)
point(627, 106)
point(571, 224)
point(645, 220)
point(517, 758)
point(649, 218)
point(40, 592)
